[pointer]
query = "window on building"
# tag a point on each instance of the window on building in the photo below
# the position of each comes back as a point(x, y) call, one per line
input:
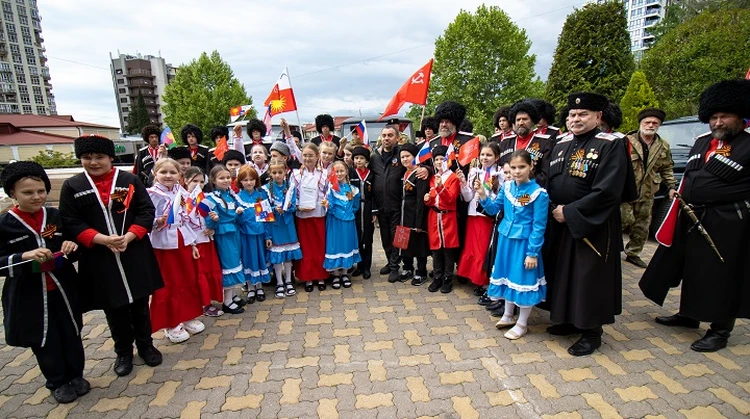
point(35, 80)
point(17, 58)
point(123, 100)
point(8, 16)
point(11, 28)
point(28, 40)
point(20, 78)
point(29, 50)
point(25, 99)
point(6, 77)
point(15, 49)
point(37, 90)
point(38, 98)
point(118, 71)
point(12, 37)
point(23, 89)
point(120, 81)
point(23, 20)
point(30, 60)
point(7, 7)
point(25, 31)
point(41, 110)
point(123, 91)
point(20, 1)
point(33, 70)
point(125, 109)
point(26, 108)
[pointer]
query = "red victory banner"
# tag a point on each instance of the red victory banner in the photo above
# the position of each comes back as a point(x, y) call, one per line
point(414, 91)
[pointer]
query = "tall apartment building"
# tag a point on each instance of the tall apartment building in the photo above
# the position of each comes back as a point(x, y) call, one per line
point(136, 74)
point(642, 16)
point(24, 76)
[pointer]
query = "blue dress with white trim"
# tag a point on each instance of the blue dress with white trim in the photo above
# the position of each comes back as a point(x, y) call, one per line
point(285, 245)
point(521, 234)
point(342, 245)
point(226, 235)
point(253, 239)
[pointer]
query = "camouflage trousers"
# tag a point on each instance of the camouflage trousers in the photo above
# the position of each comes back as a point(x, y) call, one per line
point(636, 216)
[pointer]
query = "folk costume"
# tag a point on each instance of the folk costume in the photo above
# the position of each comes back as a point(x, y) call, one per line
point(479, 225)
point(146, 156)
point(342, 246)
point(587, 177)
point(253, 236)
point(364, 180)
point(40, 309)
point(309, 188)
point(119, 283)
point(716, 186)
point(227, 235)
point(320, 122)
point(180, 298)
point(210, 279)
point(285, 246)
point(442, 226)
point(538, 145)
point(548, 113)
point(199, 155)
point(414, 216)
point(521, 234)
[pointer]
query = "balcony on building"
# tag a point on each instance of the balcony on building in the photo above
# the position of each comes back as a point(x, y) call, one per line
point(3, 49)
point(6, 87)
point(652, 11)
point(651, 21)
point(45, 72)
point(133, 92)
point(5, 68)
point(138, 72)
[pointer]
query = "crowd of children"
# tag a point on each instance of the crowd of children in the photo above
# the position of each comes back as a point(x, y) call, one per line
point(189, 244)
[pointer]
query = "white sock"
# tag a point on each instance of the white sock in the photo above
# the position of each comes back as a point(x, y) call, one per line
point(523, 317)
point(288, 271)
point(277, 270)
point(509, 309)
point(228, 295)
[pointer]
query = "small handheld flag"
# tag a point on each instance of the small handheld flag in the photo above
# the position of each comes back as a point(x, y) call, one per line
point(203, 206)
point(334, 181)
point(488, 179)
point(424, 154)
point(50, 265)
point(468, 152)
point(362, 131)
point(167, 138)
point(264, 212)
point(128, 198)
point(174, 209)
point(221, 148)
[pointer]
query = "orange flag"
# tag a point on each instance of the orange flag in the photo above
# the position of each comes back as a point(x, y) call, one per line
point(281, 98)
point(414, 91)
point(128, 198)
point(221, 148)
point(468, 152)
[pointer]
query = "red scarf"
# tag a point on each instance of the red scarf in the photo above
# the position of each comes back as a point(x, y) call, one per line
point(103, 185)
point(712, 147)
point(522, 143)
point(363, 172)
point(35, 222)
point(447, 141)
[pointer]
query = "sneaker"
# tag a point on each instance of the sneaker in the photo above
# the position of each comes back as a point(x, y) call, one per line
point(177, 334)
point(418, 280)
point(194, 326)
point(405, 275)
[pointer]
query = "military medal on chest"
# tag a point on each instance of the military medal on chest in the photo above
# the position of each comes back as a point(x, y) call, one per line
point(725, 150)
point(49, 231)
point(534, 151)
point(577, 167)
point(524, 199)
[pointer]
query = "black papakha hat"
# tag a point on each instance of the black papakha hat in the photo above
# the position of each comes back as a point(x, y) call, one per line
point(233, 155)
point(501, 113)
point(361, 151)
point(220, 131)
point(587, 100)
point(526, 106)
point(148, 130)
point(430, 122)
point(94, 144)
point(655, 112)
point(22, 169)
point(439, 150)
point(255, 124)
point(612, 115)
point(324, 120)
point(452, 111)
point(730, 96)
point(191, 129)
point(178, 153)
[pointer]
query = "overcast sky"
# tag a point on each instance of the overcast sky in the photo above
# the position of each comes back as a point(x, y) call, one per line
point(343, 56)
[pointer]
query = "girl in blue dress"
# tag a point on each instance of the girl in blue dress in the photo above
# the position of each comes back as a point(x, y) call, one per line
point(342, 246)
point(224, 219)
point(253, 234)
point(283, 247)
point(518, 273)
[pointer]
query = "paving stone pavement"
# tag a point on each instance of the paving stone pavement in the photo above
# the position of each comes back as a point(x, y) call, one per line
point(393, 350)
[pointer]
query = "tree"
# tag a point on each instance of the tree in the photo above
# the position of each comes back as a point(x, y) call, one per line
point(202, 94)
point(138, 116)
point(592, 54)
point(708, 48)
point(482, 60)
point(681, 11)
point(638, 97)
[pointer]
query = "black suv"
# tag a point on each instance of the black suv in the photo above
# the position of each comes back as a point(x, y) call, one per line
point(680, 134)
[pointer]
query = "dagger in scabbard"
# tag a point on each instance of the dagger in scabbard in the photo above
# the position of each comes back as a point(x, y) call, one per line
point(697, 224)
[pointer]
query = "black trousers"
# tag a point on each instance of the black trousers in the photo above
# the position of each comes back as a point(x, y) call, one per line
point(443, 263)
point(421, 265)
point(130, 323)
point(388, 222)
point(723, 326)
point(62, 357)
point(365, 236)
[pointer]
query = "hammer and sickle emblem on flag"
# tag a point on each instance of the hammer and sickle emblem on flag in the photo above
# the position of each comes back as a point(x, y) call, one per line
point(419, 79)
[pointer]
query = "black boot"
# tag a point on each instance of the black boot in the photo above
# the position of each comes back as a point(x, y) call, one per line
point(436, 284)
point(447, 285)
point(678, 320)
point(564, 329)
point(591, 339)
point(124, 364)
point(715, 338)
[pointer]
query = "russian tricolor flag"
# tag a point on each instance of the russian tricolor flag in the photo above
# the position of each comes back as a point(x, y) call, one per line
point(362, 131)
point(425, 153)
point(173, 209)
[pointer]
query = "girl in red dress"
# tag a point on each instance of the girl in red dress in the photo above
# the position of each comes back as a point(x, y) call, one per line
point(175, 307)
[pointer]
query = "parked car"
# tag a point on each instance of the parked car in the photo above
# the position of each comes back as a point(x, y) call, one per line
point(680, 133)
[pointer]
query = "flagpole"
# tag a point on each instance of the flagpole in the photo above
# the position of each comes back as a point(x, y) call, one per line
point(424, 107)
point(299, 122)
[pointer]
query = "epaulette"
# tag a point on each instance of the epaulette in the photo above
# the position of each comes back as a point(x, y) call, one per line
point(495, 137)
point(565, 138)
point(466, 133)
point(142, 148)
point(605, 136)
point(510, 137)
point(703, 135)
point(545, 136)
point(619, 135)
point(552, 127)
